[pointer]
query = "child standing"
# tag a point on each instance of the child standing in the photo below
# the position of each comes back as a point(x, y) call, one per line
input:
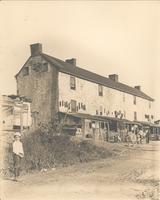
point(18, 154)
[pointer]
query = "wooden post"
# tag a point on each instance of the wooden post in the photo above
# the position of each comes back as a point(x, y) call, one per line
point(108, 131)
point(21, 119)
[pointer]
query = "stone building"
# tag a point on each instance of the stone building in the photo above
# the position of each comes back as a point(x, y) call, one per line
point(80, 99)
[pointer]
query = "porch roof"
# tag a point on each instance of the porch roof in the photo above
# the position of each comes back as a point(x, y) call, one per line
point(149, 124)
point(99, 118)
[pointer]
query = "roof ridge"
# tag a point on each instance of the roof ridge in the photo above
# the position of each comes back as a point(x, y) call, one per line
point(83, 73)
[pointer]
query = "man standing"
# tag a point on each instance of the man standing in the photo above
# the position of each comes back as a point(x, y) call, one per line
point(147, 136)
point(18, 154)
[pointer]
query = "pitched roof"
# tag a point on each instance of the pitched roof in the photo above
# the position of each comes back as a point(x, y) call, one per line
point(93, 77)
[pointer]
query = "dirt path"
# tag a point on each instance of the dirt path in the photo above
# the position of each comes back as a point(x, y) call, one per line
point(131, 175)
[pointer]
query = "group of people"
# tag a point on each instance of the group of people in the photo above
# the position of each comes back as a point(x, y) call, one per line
point(136, 136)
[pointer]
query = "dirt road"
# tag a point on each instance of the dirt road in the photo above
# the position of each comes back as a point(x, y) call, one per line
point(128, 176)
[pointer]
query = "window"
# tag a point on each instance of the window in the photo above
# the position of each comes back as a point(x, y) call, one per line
point(73, 106)
point(72, 82)
point(90, 124)
point(113, 125)
point(37, 67)
point(135, 116)
point(83, 106)
point(106, 126)
point(134, 100)
point(100, 90)
point(102, 125)
point(146, 117)
point(79, 105)
point(25, 71)
point(44, 67)
point(93, 124)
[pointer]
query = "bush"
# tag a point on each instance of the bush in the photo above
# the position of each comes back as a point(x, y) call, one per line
point(48, 150)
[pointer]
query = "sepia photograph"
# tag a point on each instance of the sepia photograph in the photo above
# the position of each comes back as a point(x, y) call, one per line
point(79, 100)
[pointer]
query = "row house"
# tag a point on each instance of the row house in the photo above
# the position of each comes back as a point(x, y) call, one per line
point(80, 99)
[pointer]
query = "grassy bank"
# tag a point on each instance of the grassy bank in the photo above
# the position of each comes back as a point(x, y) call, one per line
point(48, 151)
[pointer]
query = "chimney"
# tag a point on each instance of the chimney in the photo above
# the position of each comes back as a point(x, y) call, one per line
point(138, 87)
point(71, 61)
point(36, 49)
point(114, 77)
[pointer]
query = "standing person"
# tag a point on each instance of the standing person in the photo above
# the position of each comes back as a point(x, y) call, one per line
point(18, 154)
point(140, 134)
point(147, 135)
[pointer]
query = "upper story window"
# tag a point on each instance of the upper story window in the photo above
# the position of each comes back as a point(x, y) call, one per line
point(134, 100)
point(100, 90)
point(25, 71)
point(72, 82)
point(146, 117)
point(44, 67)
point(135, 116)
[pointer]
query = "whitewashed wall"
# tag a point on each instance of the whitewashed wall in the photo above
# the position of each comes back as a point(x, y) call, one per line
point(112, 100)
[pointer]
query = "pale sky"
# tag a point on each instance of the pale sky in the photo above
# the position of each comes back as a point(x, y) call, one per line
point(106, 37)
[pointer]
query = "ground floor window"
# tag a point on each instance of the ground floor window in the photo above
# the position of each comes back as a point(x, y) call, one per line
point(113, 125)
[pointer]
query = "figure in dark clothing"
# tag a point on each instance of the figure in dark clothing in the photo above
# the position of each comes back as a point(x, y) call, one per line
point(147, 136)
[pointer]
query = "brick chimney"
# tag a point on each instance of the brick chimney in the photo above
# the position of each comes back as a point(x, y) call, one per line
point(71, 61)
point(36, 49)
point(114, 77)
point(138, 87)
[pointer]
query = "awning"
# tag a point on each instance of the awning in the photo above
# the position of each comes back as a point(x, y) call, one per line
point(155, 125)
point(99, 118)
point(145, 123)
point(132, 122)
point(149, 124)
point(82, 116)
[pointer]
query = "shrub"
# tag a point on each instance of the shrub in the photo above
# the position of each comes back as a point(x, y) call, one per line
point(49, 150)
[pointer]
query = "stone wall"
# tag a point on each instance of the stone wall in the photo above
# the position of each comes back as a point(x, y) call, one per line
point(41, 87)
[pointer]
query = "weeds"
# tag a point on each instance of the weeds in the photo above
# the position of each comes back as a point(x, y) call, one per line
point(49, 150)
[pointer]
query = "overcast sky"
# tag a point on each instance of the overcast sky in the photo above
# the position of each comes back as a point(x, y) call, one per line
point(105, 37)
